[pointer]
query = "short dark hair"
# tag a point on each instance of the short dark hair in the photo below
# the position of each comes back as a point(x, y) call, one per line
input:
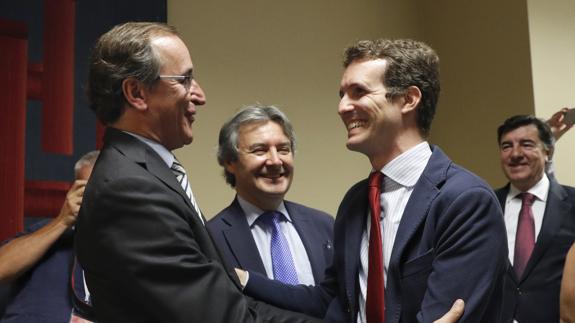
point(228, 138)
point(124, 51)
point(410, 63)
point(514, 122)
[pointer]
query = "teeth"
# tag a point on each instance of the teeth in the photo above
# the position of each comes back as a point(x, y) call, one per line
point(355, 124)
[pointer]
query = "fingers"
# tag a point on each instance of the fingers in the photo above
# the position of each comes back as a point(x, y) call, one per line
point(454, 313)
point(78, 184)
point(73, 201)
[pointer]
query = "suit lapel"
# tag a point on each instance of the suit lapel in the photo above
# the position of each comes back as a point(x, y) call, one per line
point(355, 216)
point(502, 197)
point(556, 208)
point(240, 240)
point(306, 231)
point(417, 208)
point(146, 157)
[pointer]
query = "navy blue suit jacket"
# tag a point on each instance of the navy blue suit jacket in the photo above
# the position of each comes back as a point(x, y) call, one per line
point(233, 237)
point(42, 294)
point(451, 243)
point(535, 296)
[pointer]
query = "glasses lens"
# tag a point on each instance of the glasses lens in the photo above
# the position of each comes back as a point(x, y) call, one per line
point(188, 83)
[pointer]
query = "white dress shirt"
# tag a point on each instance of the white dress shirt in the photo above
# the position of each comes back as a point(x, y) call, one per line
point(263, 234)
point(401, 175)
point(513, 207)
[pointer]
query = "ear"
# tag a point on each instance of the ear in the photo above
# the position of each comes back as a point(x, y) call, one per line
point(411, 98)
point(230, 167)
point(135, 93)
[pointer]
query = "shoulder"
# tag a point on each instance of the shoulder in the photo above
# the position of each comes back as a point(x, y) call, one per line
point(460, 181)
point(219, 221)
point(313, 214)
point(570, 190)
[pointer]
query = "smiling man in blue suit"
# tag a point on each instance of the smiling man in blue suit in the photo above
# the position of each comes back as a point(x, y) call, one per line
point(422, 231)
point(256, 149)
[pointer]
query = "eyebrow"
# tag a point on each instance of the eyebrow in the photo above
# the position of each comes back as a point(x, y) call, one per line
point(188, 72)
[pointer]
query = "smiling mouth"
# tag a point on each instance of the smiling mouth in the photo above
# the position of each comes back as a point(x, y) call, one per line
point(356, 124)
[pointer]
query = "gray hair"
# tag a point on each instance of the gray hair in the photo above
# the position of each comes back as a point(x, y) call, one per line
point(228, 138)
point(88, 159)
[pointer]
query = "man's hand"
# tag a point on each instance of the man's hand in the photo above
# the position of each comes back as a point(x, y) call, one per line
point(559, 124)
point(454, 313)
point(69, 211)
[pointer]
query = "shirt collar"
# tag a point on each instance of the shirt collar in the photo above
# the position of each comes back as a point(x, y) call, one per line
point(253, 212)
point(406, 168)
point(540, 190)
point(164, 153)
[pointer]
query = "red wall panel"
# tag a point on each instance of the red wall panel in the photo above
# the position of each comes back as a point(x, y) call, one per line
point(58, 77)
point(13, 76)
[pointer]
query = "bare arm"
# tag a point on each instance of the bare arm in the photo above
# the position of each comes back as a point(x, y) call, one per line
point(567, 299)
point(20, 254)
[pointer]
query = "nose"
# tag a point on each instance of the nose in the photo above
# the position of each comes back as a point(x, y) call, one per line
point(273, 158)
point(516, 152)
point(198, 95)
point(344, 105)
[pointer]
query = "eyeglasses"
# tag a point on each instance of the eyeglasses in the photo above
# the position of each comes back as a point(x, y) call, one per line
point(185, 80)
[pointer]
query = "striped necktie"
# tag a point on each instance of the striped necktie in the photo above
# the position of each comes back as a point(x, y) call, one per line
point(182, 178)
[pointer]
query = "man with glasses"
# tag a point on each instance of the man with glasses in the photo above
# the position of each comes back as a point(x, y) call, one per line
point(140, 236)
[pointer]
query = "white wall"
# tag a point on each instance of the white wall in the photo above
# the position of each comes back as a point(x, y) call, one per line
point(552, 36)
point(286, 53)
point(498, 58)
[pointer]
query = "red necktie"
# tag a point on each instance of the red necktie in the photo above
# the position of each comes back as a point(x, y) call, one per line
point(375, 302)
point(525, 236)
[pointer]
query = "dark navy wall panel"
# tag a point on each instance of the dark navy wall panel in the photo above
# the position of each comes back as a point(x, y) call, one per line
point(92, 19)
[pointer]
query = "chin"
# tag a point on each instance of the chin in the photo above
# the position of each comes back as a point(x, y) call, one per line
point(279, 189)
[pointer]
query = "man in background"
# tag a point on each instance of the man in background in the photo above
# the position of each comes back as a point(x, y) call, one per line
point(260, 231)
point(38, 262)
point(540, 220)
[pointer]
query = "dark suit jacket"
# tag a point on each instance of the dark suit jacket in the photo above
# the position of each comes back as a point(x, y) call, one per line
point(450, 244)
point(146, 254)
point(42, 294)
point(233, 237)
point(535, 296)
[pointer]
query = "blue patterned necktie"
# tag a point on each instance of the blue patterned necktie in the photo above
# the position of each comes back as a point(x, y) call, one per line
point(282, 261)
point(182, 178)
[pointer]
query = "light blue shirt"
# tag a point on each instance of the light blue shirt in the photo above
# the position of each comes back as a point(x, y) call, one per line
point(262, 235)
